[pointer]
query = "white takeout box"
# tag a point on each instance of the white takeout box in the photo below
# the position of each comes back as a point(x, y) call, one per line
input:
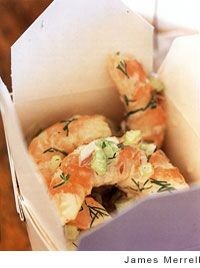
point(59, 69)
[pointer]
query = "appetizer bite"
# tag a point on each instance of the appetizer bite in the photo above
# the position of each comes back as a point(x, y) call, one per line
point(142, 97)
point(127, 162)
point(54, 143)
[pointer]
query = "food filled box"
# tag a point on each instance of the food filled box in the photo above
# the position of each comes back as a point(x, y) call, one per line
point(59, 69)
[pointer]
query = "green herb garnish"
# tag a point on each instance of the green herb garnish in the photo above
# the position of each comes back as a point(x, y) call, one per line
point(120, 145)
point(132, 137)
point(66, 126)
point(95, 212)
point(81, 209)
point(99, 162)
point(156, 83)
point(74, 244)
point(52, 149)
point(113, 157)
point(164, 185)
point(152, 104)
point(142, 187)
point(65, 179)
point(127, 100)
point(105, 151)
point(122, 66)
point(103, 145)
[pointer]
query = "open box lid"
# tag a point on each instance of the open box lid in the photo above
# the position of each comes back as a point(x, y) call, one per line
point(65, 51)
point(66, 48)
point(180, 74)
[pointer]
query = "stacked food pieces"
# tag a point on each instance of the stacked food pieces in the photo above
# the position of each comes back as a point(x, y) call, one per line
point(91, 174)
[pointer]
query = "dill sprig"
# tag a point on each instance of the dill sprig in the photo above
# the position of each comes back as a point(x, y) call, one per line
point(52, 149)
point(140, 187)
point(81, 209)
point(103, 145)
point(65, 179)
point(122, 66)
point(96, 212)
point(113, 157)
point(127, 100)
point(67, 123)
point(74, 244)
point(164, 185)
point(152, 104)
point(120, 145)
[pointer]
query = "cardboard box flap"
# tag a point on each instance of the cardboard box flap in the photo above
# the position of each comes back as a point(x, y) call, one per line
point(145, 8)
point(179, 72)
point(34, 192)
point(65, 49)
point(150, 226)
